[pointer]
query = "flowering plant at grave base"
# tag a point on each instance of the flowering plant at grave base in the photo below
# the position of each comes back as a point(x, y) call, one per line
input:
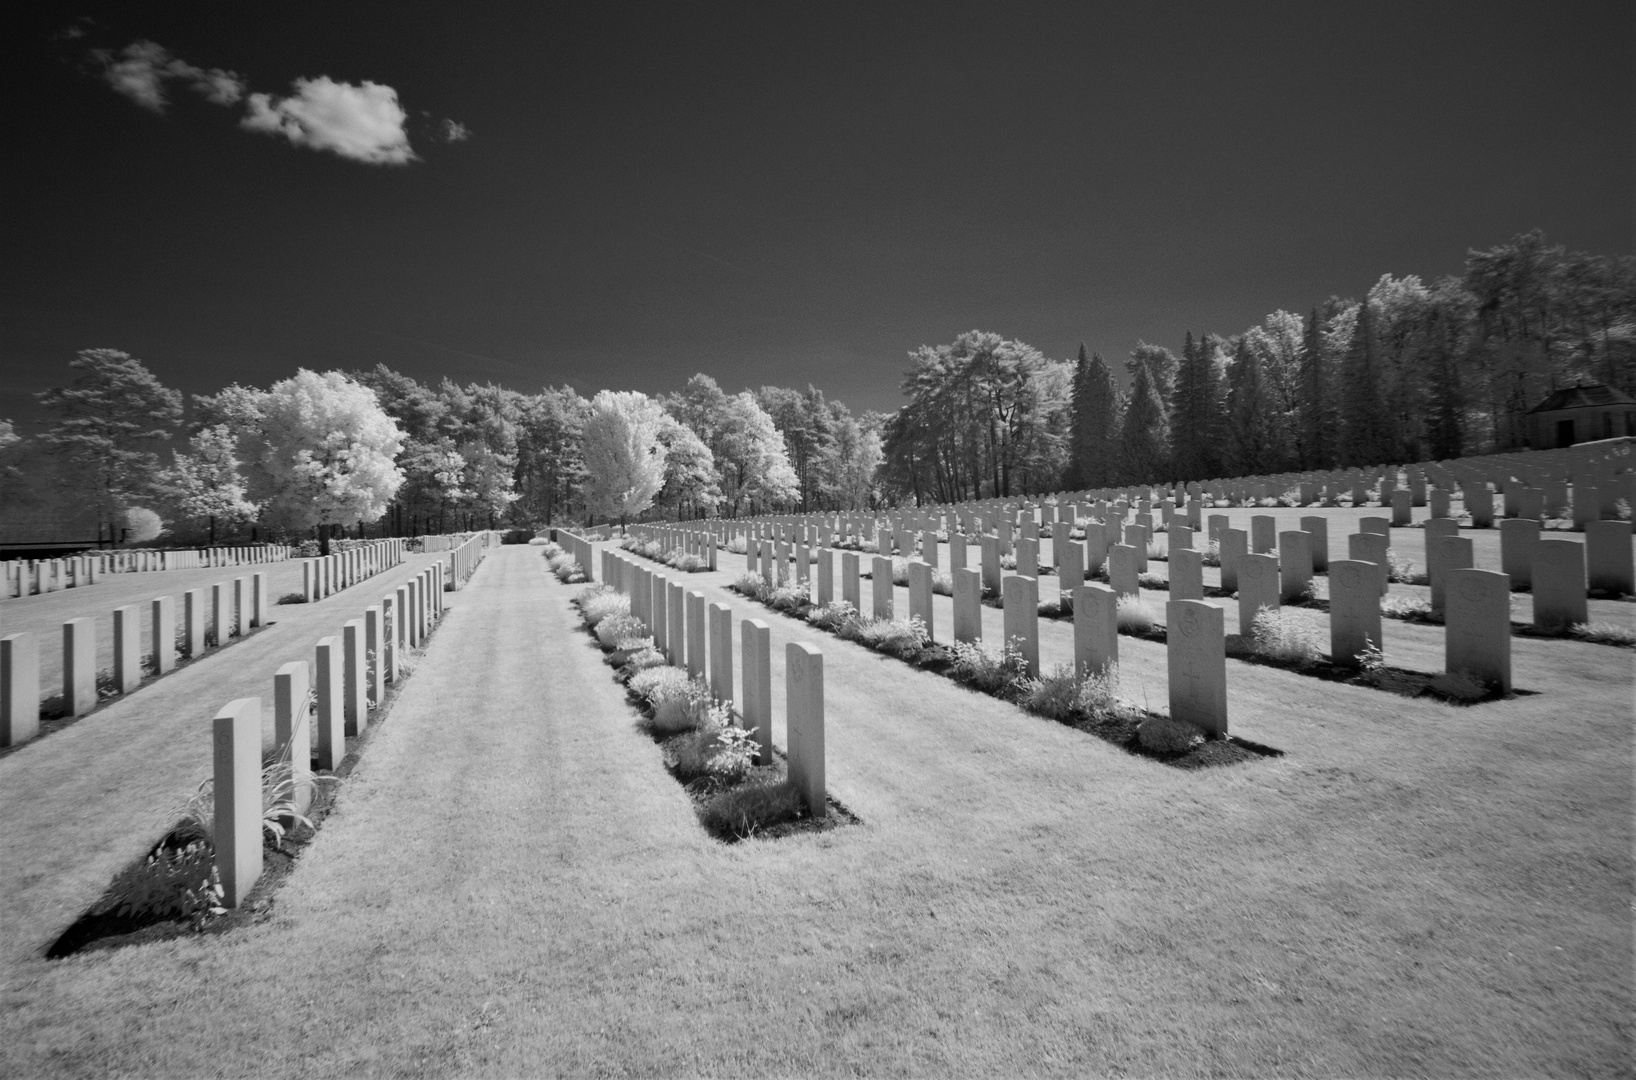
point(750, 584)
point(975, 666)
point(1603, 633)
point(1210, 553)
point(598, 602)
point(902, 639)
point(1134, 616)
point(170, 883)
point(1287, 634)
point(618, 627)
point(1401, 570)
point(1460, 686)
point(551, 549)
point(833, 615)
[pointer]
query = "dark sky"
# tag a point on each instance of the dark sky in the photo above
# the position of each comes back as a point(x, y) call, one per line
point(778, 192)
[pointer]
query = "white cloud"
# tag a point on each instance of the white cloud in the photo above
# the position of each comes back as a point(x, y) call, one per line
point(455, 131)
point(144, 66)
point(363, 122)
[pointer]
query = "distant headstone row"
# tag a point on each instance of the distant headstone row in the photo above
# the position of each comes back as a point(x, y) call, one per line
point(29, 577)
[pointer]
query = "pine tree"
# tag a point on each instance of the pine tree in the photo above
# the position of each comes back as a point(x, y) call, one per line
point(1246, 414)
point(1099, 466)
point(1443, 383)
point(1317, 411)
point(1079, 430)
point(1143, 444)
point(1187, 443)
point(1362, 411)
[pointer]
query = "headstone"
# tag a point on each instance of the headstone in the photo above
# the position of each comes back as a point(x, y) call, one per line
point(1257, 589)
point(928, 547)
point(676, 622)
point(1401, 514)
point(1375, 525)
point(826, 575)
point(291, 733)
point(1477, 637)
point(1122, 573)
point(19, 688)
point(1096, 546)
point(1196, 655)
point(1186, 574)
point(881, 587)
point(1608, 556)
point(957, 551)
point(1439, 502)
point(1294, 564)
point(1517, 539)
point(659, 624)
point(920, 594)
point(375, 656)
point(127, 648)
point(236, 733)
point(1479, 504)
point(991, 562)
point(1445, 554)
point(804, 720)
point(1180, 537)
point(1317, 527)
point(1028, 557)
point(1022, 620)
point(1235, 545)
point(1559, 584)
point(1372, 548)
point(1070, 555)
point(693, 602)
point(756, 704)
point(79, 666)
point(721, 652)
point(1096, 630)
point(1263, 533)
point(355, 686)
point(968, 605)
point(1354, 610)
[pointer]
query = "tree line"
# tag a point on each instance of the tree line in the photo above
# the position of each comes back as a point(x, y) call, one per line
point(1411, 371)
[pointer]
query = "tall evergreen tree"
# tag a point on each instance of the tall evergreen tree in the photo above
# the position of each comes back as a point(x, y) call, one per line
point(1144, 446)
point(1247, 409)
point(1079, 431)
point(1096, 413)
point(1363, 414)
point(1317, 409)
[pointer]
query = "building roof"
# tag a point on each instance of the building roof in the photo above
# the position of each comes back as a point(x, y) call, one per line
point(1583, 397)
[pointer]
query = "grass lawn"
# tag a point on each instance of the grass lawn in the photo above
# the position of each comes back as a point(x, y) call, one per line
point(511, 884)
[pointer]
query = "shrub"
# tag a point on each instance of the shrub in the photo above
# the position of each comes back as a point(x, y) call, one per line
point(1156, 550)
point(657, 684)
point(902, 639)
point(788, 597)
point(620, 627)
point(688, 564)
point(1163, 735)
point(1097, 696)
point(1210, 553)
point(642, 660)
point(1401, 570)
point(1135, 616)
point(750, 584)
point(833, 616)
point(551, 549)
point(1152, 581)
point(598, 602)
point(1413, 608)
point(566, 569)
point(942, 582)
point(1288, 634)
point(538, 541)
point(980, 669)
point(740, 812)
point(1008, 562)
point(1051, 696)
point(293, 598)
point(1602, 633)
point(737, 546)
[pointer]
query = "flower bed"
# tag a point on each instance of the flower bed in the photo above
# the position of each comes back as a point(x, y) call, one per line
point(676, 559)
point(705, 749)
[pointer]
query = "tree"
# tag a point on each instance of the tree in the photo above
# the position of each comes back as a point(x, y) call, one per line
point(320, 451)
point(1144, 449)
point(691, 488)
point(1317, 449)
point(752, 464)
point(1363, 414)
point(205, 484)
point(1195, 412)
point(1096, 426)
point(106, 424)
point(1247, 408)
point(624, 459)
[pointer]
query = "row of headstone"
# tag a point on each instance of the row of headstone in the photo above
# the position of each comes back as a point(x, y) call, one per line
point(144, 559)
point(464, 560)
point(697, 638)
point(697, 540)
point(233, 609)
point(34, 577)
point(317, 705)
point(327, 575)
